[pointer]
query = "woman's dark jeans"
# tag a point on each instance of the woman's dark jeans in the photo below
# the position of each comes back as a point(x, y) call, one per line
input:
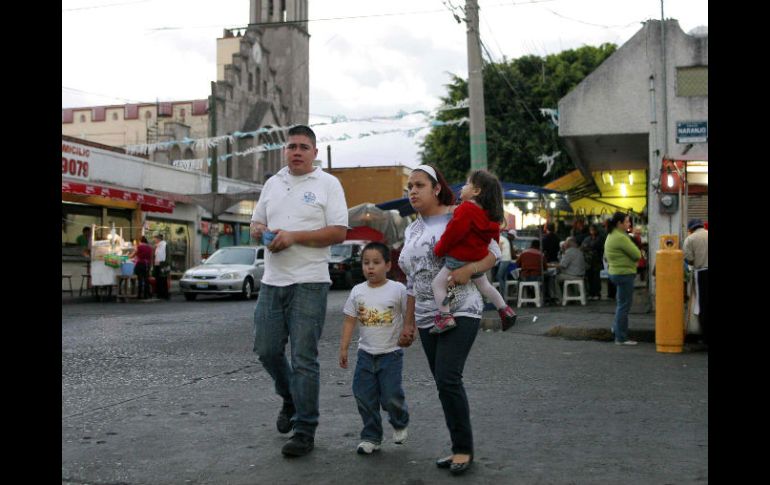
point(446, 353)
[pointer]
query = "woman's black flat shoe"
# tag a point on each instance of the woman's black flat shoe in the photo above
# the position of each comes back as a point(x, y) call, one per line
point(444, 462)
point(460, 468)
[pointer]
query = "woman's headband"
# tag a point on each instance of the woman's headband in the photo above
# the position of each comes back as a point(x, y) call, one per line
point(427, 169)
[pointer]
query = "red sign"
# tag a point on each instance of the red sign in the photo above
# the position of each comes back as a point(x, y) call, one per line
point(74, 167)
point(148, 203)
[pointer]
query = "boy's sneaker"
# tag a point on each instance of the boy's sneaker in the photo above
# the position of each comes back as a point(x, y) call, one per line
point(443, 323)
point(298, 445)
point(283, 423)
point(367, 448)
point(399, 436)
point(507, 317)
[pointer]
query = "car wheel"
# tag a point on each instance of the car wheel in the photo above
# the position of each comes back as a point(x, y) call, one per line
point(190, 296)
point(248, 289)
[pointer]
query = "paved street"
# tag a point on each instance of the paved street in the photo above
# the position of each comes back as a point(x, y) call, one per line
point(171, 393)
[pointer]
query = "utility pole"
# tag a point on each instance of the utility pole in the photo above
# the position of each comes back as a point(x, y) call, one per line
point(329, 157)
point(214, 228)
point(476, 88)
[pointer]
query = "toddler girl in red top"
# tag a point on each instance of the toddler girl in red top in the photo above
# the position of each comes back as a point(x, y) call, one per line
point(475, 222)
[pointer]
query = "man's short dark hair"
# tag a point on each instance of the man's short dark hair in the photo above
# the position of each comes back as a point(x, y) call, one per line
point(86, 229)
point(304, 131)
point(535, 244)
point(159, 236)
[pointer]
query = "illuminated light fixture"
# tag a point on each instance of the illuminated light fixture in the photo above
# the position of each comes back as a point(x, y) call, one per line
point(630, 178)
point(670, 180)
point(553, 196)
point(623, 190)
point(530, 206)
point(553, 205)
point(612, 182)
point(531, 194)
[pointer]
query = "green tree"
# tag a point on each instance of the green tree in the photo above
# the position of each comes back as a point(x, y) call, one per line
point(517, 133)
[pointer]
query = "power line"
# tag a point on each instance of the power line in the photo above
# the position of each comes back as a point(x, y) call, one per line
point(101, 95)
point(355, 17)
point(517, 96)
point(592, 24)
point(103, 6)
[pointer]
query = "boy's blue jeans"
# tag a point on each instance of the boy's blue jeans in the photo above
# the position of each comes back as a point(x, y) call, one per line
point(377, 383)
point(295, 312)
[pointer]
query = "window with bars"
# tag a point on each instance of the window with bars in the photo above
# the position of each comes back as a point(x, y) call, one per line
point(692, 81)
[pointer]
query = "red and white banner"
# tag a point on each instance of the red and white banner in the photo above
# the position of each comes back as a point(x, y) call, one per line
point(149, 203)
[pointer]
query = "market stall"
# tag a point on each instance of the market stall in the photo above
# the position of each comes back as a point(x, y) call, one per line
point(108, 256)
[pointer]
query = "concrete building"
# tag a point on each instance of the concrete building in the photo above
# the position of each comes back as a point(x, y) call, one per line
point(262, 82)
point(646, 108)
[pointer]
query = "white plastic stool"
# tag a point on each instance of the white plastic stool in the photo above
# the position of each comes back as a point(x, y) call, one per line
point(581, 297)
point(535, 300)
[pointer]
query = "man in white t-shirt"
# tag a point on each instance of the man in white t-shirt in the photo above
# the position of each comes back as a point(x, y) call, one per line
point(301, 212)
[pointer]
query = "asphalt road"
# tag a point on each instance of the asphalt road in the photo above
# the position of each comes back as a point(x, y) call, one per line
point(171, 393)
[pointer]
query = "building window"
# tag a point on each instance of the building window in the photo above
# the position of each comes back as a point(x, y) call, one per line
point(181, 113)
point(114, 116)
point(692, 81)
point(251, 81)
point(147, 115)
point(82, 118)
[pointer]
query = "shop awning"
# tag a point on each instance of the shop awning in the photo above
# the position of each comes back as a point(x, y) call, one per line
point(606, 192)
point(148, 203)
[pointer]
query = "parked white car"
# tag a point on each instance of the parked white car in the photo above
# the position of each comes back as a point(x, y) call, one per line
point(235, 270)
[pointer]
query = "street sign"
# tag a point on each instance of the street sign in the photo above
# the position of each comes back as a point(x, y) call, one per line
point(692, 131)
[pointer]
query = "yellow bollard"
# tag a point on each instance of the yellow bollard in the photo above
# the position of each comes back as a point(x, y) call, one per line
point(669, 295)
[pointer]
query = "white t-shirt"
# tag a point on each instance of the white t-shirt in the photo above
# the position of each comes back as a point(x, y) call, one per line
point(160, 252)
point(304, 203)
point(505, 248)
point(380, 314)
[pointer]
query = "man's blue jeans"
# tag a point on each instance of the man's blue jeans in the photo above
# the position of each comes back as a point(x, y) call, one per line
point(293, 312)
point(624, 296)
point(377, 382)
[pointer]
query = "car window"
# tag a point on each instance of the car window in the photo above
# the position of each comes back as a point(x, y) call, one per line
point(232, 256)
point(260, 254)
point(341, 250)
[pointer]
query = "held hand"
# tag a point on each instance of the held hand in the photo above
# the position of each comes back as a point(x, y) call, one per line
point(343, 359)
point(407, 336)
point(283, 239)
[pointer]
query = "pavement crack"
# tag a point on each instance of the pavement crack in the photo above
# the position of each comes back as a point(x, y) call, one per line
point(191, 381)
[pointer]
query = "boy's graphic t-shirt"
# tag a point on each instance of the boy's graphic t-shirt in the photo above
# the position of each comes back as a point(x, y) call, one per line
point(380, 315)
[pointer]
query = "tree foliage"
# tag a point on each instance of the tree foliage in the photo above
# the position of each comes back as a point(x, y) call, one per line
point(517, 133)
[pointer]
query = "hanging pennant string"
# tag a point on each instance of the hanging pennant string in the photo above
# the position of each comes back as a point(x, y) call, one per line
point(205, 143)
point(195, 164)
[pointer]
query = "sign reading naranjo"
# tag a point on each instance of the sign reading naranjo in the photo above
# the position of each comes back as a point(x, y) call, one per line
point(692, 131)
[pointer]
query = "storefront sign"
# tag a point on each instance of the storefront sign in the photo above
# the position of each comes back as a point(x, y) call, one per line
point(692, 131)
point(148, 203)
point(72, 161)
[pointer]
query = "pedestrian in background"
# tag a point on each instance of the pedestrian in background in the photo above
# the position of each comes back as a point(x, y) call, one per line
point(571, 267)
point(696, 253)
point(303, 210)
point(622, 256)
point(433, 200)
point(379, 305)
point(505, 261)
point(143, 262)
point(593, 251)
point(161, 268)
point(551, 246)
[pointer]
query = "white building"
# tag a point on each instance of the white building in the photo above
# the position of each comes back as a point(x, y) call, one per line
point(646, 108)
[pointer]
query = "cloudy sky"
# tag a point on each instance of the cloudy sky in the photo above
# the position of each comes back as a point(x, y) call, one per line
point(367, 59)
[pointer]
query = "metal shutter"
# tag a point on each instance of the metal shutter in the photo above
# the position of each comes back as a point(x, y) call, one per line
point(698, 207)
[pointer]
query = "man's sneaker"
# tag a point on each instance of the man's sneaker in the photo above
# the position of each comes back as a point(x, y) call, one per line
point(399, 436)
point(283, 423)
point(298, 445)
point(367, 448)
point(444, 323)
point(507, 317)
point(627, 342)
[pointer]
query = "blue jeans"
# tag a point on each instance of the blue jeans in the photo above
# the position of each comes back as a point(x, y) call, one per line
point(293, 312)
point(377, 382)
point(446, 353)
point(624, 296)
